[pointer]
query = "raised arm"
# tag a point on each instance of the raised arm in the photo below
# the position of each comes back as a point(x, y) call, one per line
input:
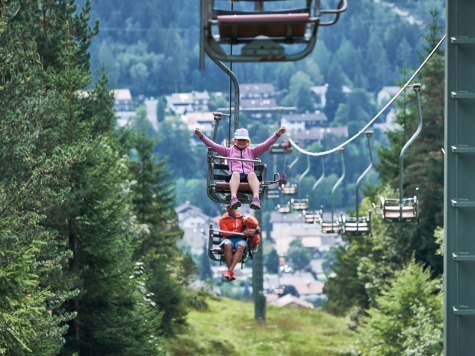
point(221, 150)
point(264, 146)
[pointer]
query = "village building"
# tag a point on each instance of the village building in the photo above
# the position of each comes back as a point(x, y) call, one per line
point(289, 227)
point(301, 122)
point(180, 103)
point(203, 120)
point(318, 134)
point(257, 90)
point(124, 106)
point(195, 225)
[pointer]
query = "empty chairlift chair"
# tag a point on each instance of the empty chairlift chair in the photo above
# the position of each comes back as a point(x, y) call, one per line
point(333, 225)
point(263, 31)
point(403, 209)
point(360, 225)
point(400, 210)
point(284, 208)
point(357, 225)
point(273, 192)
point(301, 203)
point(290, 188)
point(281, 148)
point(315, 216)
point(312, 216)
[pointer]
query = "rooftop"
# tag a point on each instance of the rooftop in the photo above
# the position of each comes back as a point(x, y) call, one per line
point(256, 88)
point(317, 116)
point(122, 94)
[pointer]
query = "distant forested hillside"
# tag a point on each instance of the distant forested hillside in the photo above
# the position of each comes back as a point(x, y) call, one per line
point(151, 47)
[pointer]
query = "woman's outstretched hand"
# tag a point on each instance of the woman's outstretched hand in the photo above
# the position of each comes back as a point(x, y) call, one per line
point(281, 131)
point(198, 133)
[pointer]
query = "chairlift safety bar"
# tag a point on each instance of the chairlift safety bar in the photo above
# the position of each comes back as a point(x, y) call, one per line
point(238, 159)
point(229, 232)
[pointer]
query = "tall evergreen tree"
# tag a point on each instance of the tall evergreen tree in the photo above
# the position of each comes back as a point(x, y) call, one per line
point(271, 261)
point(29, 262)
point(157, 243)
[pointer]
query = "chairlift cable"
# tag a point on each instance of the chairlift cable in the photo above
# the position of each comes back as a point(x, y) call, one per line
point(335, 149)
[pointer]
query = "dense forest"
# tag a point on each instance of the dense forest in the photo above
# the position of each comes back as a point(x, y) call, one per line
point(88, 256)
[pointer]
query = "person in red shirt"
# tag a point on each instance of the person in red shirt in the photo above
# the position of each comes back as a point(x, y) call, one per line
point(233, 246)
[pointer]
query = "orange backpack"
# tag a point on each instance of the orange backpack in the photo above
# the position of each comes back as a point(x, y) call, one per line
point(250, 222)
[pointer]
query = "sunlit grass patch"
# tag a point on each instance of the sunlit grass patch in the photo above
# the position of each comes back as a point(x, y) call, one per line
point(228, 328)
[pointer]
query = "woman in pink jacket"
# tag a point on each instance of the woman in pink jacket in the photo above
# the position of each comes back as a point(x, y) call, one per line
point(242, 171)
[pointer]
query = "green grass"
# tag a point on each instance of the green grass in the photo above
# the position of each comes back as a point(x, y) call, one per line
point(228, 328)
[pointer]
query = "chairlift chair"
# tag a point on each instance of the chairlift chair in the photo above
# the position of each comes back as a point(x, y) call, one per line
point(357, 226)
point(284, 208)
point(290, 188)
point(263, 34)
point(281, 148)
point(216, 252)
point(273, 192)
point(312, 216)
point(332, 225)
point(360, 225)
point(218, 189)
point(400, 210)
point(299, 204)
point(403, 209)
point(315, 216)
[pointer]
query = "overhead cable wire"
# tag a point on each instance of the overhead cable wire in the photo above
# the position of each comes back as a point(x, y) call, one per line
point(337, 148)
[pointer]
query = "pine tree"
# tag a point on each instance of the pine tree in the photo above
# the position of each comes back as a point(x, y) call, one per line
point(157, 244)
point(111, 314)
point(271, 261)
point(28, 323)
point(346, 289)
point(406, 318)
